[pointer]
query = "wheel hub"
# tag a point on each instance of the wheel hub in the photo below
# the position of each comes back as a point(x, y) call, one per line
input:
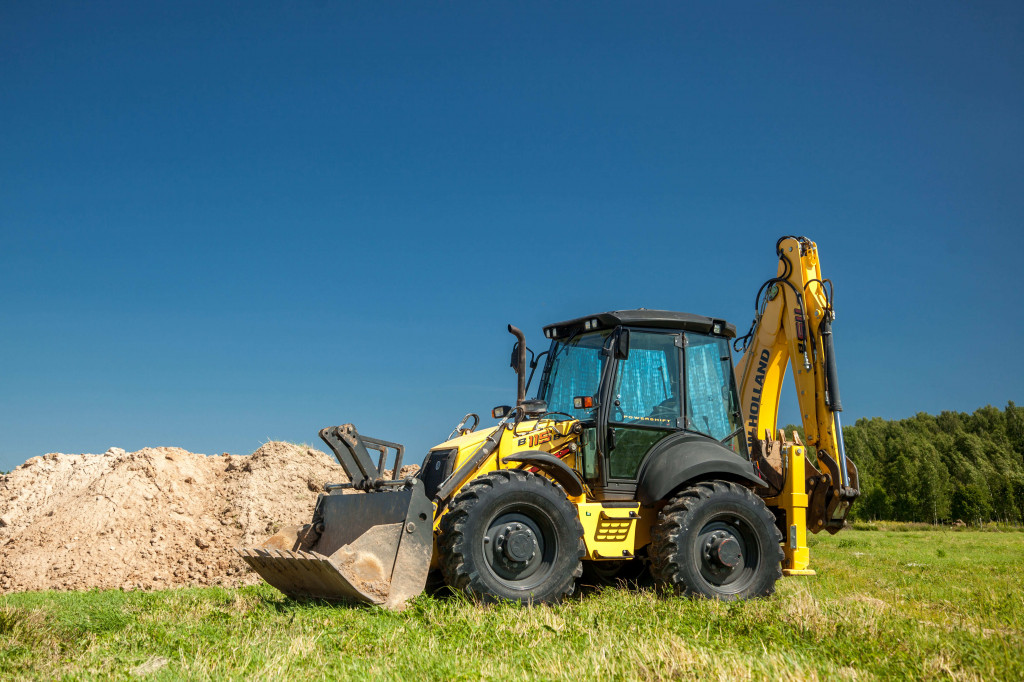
point(515, 548)
point(518, 545)
point(722, 551)
point(726, 551)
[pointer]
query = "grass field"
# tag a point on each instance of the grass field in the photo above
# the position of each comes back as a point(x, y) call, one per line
point(896, 602)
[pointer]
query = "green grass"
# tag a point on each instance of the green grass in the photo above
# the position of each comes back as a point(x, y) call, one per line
point(896, 603)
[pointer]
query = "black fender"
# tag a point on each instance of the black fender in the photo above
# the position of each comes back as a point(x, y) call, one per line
point(553, 467)
point(685, 457)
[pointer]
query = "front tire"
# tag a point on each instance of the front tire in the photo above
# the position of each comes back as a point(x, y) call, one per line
point(512, 536)
point(719, 540)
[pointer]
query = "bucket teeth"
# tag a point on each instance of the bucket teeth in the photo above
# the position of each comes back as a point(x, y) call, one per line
point(304, 574)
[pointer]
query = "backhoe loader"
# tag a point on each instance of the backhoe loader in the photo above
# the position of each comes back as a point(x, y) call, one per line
point(644, 446)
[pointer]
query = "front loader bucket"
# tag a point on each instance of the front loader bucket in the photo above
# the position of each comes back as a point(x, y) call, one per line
point(371, 548)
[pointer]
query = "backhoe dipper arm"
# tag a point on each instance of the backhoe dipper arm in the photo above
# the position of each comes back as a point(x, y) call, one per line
point(794, 323)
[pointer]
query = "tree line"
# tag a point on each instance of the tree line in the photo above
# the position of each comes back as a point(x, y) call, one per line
point(954, 466)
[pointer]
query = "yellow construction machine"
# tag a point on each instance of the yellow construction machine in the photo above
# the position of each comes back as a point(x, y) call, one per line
point(643, 448)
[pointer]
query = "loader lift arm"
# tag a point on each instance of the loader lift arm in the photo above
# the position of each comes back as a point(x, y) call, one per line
point(793, 324)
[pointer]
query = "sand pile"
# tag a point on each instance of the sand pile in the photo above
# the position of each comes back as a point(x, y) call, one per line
point(156, 518)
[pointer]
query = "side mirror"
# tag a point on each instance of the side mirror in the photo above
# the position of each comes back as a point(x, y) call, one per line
point(514, 363)
point(622, 344)
point(501, 411)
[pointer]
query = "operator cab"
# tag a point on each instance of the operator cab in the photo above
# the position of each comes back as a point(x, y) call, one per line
point(642, 381)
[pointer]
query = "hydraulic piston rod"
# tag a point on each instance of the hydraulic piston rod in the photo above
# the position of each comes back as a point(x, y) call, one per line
point(842, 452)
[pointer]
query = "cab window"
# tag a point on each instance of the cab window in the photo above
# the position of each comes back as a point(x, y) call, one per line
point(647, 382)
point(711, 399)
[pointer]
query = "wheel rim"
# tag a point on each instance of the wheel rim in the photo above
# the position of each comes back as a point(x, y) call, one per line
point(727, 553)
point(519, 548)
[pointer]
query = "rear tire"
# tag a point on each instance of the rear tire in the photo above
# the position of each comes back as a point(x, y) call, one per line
point(512, 536)
point(719, 540)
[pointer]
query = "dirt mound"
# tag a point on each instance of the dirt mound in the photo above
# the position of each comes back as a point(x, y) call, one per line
point(156, 518)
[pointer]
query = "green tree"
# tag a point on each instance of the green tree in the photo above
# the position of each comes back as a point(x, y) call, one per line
point(939, 468)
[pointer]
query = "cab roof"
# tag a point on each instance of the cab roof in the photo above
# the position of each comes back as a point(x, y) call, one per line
point(642, 317)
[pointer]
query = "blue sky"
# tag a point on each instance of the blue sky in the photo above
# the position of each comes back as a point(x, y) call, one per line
point(225, 224)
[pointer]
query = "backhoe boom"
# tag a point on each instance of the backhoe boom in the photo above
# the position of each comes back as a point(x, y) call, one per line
point(793, 324)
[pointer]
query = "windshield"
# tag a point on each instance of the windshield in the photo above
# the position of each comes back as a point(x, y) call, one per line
point(573, 370)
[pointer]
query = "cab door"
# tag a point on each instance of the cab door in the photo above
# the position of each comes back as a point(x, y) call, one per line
point(645, 405)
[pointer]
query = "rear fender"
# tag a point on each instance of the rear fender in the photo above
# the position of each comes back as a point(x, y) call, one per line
point(688, 457)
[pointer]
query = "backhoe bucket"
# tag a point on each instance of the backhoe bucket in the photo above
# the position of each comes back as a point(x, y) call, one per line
point(371, 548)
